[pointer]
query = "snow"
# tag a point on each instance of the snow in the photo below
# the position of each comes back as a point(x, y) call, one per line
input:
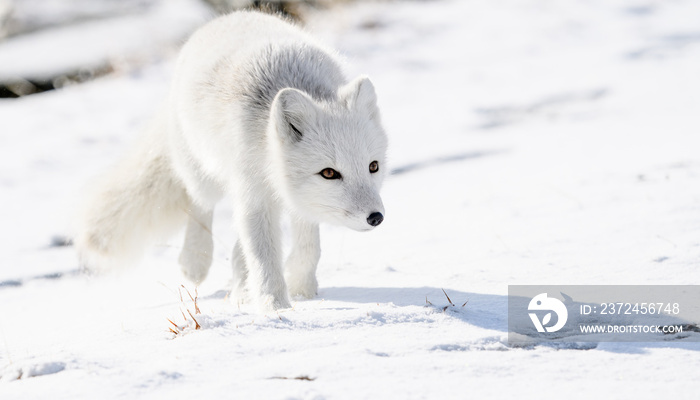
point(533, 142)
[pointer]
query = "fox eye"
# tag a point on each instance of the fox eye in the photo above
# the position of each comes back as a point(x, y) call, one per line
point(330, 173)
point(373, 167)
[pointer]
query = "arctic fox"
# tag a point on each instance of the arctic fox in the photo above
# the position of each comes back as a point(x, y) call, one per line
point(261, 112)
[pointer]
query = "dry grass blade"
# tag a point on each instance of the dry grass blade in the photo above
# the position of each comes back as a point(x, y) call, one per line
point(448, 297)
point(188, 292)
point(196, 307)
point(427, 302)
point(177, 328)
point(196, 324)
point(298, 378)
point(194, 299)
point(465, 303)
point(174, 324)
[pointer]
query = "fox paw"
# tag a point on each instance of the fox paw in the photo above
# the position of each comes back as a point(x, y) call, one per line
point(195, 267)
point(306, 286)
point(269, 303)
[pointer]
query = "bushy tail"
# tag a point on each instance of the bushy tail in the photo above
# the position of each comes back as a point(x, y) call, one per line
point(136, 203)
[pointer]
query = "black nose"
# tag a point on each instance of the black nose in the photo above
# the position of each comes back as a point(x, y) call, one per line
point(375, 218)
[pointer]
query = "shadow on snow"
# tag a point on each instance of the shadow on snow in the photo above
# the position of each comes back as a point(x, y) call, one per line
point(486, 311)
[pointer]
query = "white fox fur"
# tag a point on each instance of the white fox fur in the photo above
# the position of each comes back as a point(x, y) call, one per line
point(257, 110)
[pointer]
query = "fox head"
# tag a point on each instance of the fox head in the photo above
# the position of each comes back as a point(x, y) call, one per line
point(329, 157)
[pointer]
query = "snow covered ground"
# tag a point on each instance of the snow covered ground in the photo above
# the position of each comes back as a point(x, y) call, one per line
point(532, 142)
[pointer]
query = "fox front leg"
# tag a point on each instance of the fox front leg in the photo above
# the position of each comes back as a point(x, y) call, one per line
point(300, 268)
point(259, 233)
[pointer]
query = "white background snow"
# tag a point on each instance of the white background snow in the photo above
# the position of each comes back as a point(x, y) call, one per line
point(532, 142)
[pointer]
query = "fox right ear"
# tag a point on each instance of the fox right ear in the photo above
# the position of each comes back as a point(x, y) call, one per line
point(360, 94)
point(294, 111)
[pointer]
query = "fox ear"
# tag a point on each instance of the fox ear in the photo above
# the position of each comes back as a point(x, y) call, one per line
point(359, 94)
point(293, 111)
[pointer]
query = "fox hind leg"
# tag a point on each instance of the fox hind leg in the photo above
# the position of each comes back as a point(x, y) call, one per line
point(240, 273)
point(197, 251)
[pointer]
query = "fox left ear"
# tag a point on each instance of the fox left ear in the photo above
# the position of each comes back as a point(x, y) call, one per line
point(360, 94)
point(294, 111)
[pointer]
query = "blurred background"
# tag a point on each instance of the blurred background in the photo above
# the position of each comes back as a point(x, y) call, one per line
point(48, 44)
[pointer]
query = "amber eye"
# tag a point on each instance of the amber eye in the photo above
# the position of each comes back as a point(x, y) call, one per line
point(330, 173)
point(373, 167)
